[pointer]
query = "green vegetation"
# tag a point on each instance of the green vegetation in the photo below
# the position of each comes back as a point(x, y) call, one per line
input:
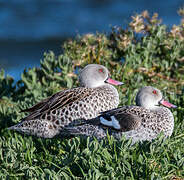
point(152, 54)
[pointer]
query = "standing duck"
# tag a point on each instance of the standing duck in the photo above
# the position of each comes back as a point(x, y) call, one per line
point(96, 94)
point(142, 122)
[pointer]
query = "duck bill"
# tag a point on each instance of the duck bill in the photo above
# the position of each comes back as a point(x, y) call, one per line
point(114, 82)
point(167, 104)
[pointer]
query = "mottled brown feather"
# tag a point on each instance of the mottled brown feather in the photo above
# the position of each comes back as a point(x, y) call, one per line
point(57, 101)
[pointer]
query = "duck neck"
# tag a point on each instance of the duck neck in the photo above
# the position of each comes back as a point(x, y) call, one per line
point(112, 88)
point(159, 108)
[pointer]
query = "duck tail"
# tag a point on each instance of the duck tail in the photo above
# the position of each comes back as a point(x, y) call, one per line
point(44, 129)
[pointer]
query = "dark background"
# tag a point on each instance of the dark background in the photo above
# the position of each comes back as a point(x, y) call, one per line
point(28, 28)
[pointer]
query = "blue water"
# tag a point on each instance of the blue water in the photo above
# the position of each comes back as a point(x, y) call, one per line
point(28, 28)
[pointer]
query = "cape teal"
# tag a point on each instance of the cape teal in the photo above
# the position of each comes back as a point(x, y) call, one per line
point(96, 94)
point(142, 122)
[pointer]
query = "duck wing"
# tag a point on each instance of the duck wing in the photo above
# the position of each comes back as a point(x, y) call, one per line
point(121, 121)
point(57, 101)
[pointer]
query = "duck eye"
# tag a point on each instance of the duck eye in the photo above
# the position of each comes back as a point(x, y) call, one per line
point(154, 92)
point(101, 70)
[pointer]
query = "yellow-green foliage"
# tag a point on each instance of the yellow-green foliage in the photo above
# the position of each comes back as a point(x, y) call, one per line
point(147, 53)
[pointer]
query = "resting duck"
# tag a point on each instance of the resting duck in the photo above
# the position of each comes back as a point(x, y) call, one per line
point(95, 94)
point(141, 122)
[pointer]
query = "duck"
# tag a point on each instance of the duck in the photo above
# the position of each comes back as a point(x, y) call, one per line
point(95, 94)
point(143, 121)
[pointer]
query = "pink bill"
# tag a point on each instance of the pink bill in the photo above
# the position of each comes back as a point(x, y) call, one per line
point(167, 104)
point(114, 82)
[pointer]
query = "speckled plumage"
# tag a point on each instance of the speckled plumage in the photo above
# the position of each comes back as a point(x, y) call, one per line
point(47, 118)
point(136, 122)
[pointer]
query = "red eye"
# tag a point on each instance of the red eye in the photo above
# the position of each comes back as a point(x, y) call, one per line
point(154, 92)
point(100, 70)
